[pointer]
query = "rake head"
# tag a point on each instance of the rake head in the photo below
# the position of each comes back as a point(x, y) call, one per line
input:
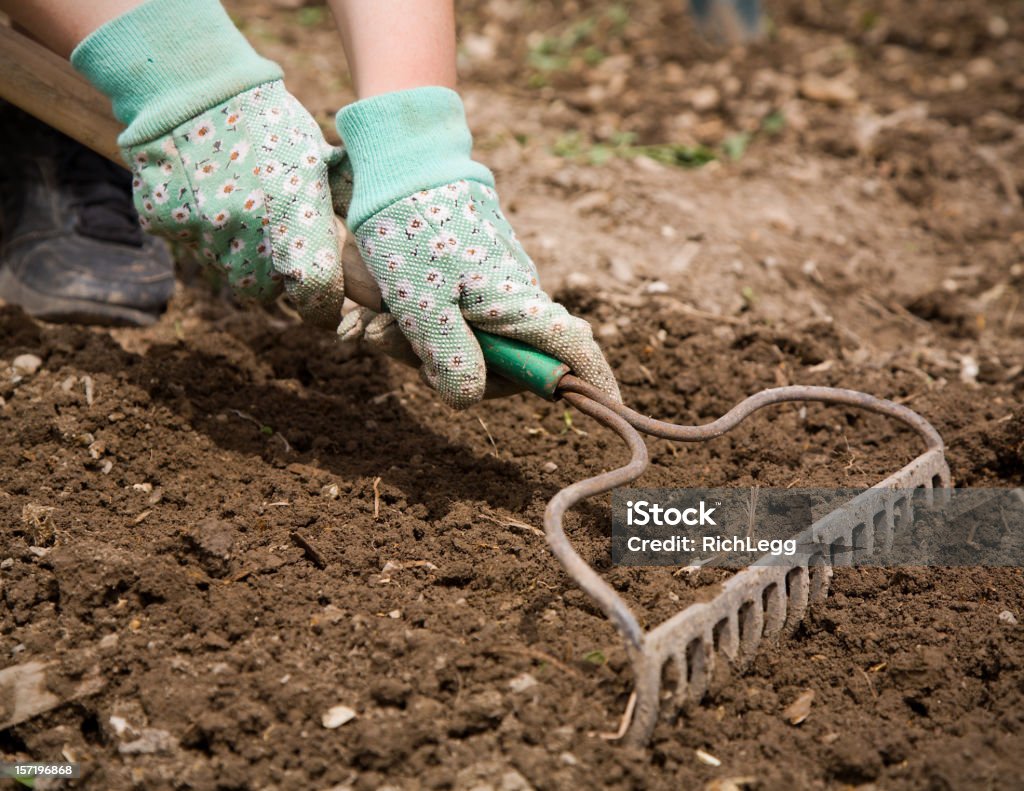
point(763, 601)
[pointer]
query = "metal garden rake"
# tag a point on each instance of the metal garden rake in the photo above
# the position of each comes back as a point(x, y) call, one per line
point(766, 598)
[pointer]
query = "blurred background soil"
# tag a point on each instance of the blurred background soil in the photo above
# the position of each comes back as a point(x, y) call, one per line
point(238, 524)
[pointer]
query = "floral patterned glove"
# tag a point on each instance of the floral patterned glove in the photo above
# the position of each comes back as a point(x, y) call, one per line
point(225, 160)
point(431, 231)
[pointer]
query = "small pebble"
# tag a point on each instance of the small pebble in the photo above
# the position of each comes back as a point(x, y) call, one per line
point(150, 741)
point(330, 491)
point(1008, 617)
point(39, 552)
point(336, 716)
point(969, 369)
point(707, 758)
point(705, 98)
point(579, 280)
point(522, 682)
point(998, 27)
point(395, 614)
point(26, 364)
point(143, 487)
point(6, 563)
point(549, 466)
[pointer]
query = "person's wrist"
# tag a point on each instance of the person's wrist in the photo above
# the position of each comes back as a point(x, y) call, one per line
point(167, 61)
point(403, 142)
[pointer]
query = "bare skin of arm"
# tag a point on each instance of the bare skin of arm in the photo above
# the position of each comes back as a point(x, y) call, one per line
point(61, 24)
point(391, 45)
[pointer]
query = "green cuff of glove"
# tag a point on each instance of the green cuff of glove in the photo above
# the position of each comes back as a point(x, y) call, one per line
point(404, 142)
point(166, 62)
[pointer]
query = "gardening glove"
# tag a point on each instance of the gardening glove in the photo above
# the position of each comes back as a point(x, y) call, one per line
point(431, 231)
point(380, 332)
point(225, 160)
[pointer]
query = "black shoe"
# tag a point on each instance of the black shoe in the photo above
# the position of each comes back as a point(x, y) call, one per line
point(72, 249)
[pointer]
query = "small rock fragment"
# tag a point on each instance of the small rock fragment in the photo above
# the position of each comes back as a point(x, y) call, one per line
point(26, 364)
point(151, 740)
point(998, 27)
point(705, 98)
point(800, 709)
point(1008, 617)
point(549, 466)
point(522, 682)
point(707, 758)
point(336, 716)
point(330, 491)
point(579, 280)
point(828, 91)
point(969, 369)
point(119, 724)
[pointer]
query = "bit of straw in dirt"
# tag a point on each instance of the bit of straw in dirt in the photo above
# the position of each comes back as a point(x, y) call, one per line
point(627, 717)
point(487, 431)
point(311, 552)
point(376, 497)
point(533, 653)
point(513, 524)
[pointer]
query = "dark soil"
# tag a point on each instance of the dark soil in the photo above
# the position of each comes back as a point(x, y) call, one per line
point(240, 524)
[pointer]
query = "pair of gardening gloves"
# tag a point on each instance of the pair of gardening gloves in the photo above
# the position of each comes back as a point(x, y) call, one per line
point(227, 163)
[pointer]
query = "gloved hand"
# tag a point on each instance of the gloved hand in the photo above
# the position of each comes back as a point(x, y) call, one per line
point(432, 233)
point(225, 160)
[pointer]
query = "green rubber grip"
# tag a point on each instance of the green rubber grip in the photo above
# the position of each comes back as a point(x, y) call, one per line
point(522, 364)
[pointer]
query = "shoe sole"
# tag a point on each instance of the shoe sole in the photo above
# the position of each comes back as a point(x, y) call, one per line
point(68, 310)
